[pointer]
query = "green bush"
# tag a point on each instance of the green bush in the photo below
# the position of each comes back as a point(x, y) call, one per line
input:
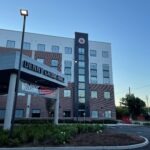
point(39, 134)
point(146, 124)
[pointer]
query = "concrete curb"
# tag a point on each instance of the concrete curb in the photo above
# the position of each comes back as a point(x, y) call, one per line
point(146, 142)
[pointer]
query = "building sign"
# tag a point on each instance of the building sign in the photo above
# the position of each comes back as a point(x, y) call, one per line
point(42, 71)
point(81, 40)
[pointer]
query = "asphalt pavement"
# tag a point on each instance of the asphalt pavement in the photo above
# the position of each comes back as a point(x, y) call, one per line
point(135, 130)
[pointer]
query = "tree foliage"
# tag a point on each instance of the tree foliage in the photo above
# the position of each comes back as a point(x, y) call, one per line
point(134, 104)
point(121, 112)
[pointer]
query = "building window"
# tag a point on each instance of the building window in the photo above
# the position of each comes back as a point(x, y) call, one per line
point(81, 113)
point(67, 113)
point(67, 93)
point(54, 64)
point(40, 60)
point(106, 75)
point(81, 64)
point(107, 95)
point(82, 100)
point(81, 57)
point(105, 54)
point(67, 69)
point(93, 73)
point(106, 80)
point(36, 113)
point(55, 48)
point(2, 113)
point(10, 44)
point(81, 78)
point(19, 113)
point(94, 114)
point(68, 50)
point(81, 71)
point(68, 78)
point(93, 53)
point(26, 45)
point(93, 66)
point(108, 114)
point(93, 94)
point(68, 63)
point(81, 51)
point(81, 85)
point(81, 93)
point(41, 47)
point(94, 80)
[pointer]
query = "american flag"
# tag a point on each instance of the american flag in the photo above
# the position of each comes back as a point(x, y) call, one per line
point(45, 91)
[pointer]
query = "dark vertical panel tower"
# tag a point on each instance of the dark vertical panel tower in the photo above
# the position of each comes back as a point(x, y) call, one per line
point(81, 76)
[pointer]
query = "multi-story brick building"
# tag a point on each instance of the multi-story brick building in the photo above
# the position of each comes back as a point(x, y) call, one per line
point(86, 64)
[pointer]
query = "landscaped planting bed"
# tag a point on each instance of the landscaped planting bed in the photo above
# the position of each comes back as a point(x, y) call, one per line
point(65, 135)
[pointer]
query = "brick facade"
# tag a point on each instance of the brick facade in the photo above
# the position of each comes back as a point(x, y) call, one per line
point(99, 104)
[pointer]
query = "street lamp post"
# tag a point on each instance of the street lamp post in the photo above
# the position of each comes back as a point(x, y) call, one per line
point(23, 13)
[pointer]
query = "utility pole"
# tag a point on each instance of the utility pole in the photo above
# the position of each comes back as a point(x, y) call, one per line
point(129, 91)
point(147, 104)
point(129, 95)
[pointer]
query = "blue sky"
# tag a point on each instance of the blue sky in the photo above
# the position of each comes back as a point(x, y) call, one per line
point(124, 23)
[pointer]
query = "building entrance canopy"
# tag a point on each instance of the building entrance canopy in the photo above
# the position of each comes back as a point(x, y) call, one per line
point(31, 71)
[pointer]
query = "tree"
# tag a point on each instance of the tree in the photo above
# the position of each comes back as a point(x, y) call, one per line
point(134, 104)
point(121, 112)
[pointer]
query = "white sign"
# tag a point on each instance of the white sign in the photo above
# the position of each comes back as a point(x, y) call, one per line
point(39, 90)
point(29, 88)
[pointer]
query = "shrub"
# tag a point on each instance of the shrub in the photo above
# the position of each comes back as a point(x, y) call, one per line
point(146, 124)
point(45, 133)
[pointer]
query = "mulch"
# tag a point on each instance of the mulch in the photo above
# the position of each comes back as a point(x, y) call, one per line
point(106, 138)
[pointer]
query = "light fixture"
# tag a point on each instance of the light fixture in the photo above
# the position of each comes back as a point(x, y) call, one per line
point(24, 12)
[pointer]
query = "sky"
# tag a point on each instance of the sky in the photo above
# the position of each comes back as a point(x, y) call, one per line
point(123, 23)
